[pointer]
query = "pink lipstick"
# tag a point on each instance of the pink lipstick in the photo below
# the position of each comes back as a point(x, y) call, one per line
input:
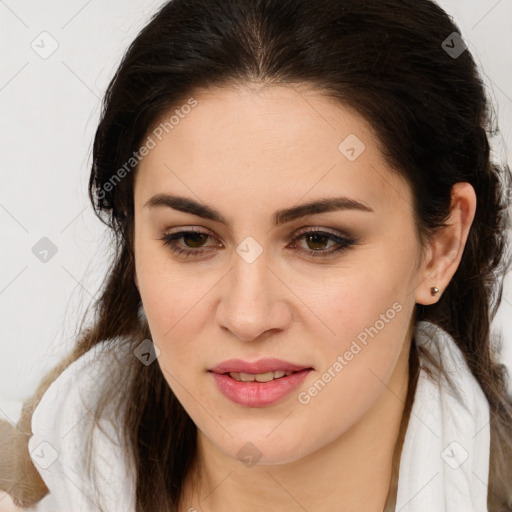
point(259, 383)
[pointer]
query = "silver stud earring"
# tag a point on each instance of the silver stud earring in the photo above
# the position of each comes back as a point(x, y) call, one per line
point(434, 290)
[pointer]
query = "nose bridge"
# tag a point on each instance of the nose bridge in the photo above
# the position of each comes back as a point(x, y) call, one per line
point(250, 277)
point(251, 302)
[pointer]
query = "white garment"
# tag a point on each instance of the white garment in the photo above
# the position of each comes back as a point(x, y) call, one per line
point(60, 424)
point(444, 464)
point(445, 457)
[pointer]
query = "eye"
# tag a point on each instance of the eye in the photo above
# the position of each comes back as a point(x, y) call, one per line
point(193, 237)
point(314, 238)
point(318, 237)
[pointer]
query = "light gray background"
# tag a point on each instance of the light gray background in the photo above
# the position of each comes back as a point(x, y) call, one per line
point(50, 109)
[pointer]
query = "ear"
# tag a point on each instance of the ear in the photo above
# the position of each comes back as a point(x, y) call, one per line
point(445, 250)
point(135, 279)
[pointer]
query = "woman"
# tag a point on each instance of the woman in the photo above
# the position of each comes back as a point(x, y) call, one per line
point(308, 234)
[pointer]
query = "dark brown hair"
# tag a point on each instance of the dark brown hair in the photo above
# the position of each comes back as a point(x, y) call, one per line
point(386, 60)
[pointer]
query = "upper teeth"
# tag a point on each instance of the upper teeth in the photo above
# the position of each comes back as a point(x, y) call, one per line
point(259, 377)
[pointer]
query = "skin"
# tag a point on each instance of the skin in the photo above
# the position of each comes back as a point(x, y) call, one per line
point(234, 151)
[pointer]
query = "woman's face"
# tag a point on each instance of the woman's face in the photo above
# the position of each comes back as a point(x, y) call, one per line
point(258, 284)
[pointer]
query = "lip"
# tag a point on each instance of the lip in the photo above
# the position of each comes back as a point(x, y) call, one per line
point(259, 394)
point(261, 366)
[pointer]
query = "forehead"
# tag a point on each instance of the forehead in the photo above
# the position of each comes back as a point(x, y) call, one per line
point(273, 145)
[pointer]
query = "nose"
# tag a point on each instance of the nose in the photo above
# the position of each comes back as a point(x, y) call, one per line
point(254, 300)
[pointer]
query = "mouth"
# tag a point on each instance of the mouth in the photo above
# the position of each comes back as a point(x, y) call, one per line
point(259, 389)
point(261, 377)
point(258, 383)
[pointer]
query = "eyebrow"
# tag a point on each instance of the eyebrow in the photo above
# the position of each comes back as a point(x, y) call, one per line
point(187, 205)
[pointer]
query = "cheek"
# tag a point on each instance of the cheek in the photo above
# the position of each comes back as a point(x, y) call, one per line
point(171, 291)
point(175, 313)
point(176, 316)
point(370, 323)
point(357, 300)
point(367, 312)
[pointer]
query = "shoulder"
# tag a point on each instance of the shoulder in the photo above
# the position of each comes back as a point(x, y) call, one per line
point(65, 435)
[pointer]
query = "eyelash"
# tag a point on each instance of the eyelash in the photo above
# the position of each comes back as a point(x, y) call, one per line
point(344, 243)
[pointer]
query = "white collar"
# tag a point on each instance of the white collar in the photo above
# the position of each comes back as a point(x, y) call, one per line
point(444, 464)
